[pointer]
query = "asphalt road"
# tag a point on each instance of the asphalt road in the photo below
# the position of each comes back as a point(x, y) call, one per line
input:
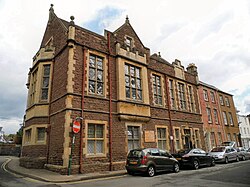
point(235, 174)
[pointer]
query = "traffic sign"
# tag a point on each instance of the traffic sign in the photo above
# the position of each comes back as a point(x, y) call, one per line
point(76, 126)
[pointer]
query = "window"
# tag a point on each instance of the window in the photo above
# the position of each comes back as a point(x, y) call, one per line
point(41, 134)
point(212, 139)
point(224, 117)
point(28, 136)
point(212, 96)
point(190, 91)
point(133, 137)
point(235, 137)
point(96, 75)
point(227, 101)
point(33, 87)
point(221, 100)
point(162, 139)
point(205, 95)
point(128, 41)
point(133, 82)
point(216, 116)
point(209, 115)
point(230, 118)
point(177, 139)
point(157, 89)
point(182, 98)
point(95, 139)
point(228, 137)
point(45, 83)
point(219, 138)
point(197, 139)
point(171, 92)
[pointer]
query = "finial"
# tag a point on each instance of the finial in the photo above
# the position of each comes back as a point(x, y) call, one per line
point(51, 7)
point(127, 20)
point(72, 20)
point(159, 54)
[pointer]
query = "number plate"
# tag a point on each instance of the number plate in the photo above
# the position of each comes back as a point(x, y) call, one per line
point(133, 162)
point(178, 158)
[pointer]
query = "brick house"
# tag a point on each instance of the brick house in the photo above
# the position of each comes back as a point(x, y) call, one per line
point(126, 98)
point(218, 115)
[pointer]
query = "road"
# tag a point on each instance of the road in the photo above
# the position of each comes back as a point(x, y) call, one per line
point(232, 174)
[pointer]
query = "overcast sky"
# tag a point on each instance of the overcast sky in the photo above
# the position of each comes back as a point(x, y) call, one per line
point(213, 34)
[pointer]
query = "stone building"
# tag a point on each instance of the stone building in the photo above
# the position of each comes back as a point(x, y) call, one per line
point(124, 97)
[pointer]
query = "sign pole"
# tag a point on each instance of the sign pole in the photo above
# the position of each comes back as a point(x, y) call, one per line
point(70, 157)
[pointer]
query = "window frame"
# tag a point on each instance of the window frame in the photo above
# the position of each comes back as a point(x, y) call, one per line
point(133, 139)
point(182, 96)
point(209, 115)
point(161, 139)
point(212, 96)
point(216, 119)
point(225, 120)
point(191, 95)
point(205, 94)
point(95, 139)
point(96, 69)
point(156, 95)
point(47, 88)
point(221, 100)
point(130, 84)
point(172, 93)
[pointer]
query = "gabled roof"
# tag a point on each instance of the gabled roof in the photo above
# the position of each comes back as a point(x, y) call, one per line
point(160, 59)
point(127, 23)
point(213, 87)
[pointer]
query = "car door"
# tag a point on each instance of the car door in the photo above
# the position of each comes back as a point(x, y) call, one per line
point(205, 157)
point(197, 154)
point(166, 160)
point(155, 156)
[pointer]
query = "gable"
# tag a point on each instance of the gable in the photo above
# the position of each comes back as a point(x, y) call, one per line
point(126, 34)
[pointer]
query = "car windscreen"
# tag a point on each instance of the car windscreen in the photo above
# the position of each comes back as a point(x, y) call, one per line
point(184, 151)
point(218, 149)
point(135, 153)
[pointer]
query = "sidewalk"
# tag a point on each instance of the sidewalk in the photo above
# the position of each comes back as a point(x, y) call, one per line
point(49, 176)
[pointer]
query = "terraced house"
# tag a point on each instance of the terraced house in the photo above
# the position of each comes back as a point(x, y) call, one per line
point(218, 115)
point(124, 97)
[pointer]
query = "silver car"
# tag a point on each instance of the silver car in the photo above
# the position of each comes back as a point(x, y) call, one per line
point(224, 154)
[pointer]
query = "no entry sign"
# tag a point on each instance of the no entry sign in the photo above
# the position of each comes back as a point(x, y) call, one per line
point(76, 126)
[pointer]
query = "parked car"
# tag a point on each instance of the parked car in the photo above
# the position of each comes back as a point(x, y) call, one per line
point(150, 161)
point(242, 153)
point(224, 154)
point(194, 158)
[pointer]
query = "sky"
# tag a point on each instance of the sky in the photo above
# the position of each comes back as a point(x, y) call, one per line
point(214, 34)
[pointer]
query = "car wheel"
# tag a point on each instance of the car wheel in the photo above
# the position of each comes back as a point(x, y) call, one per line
point(212, 162)
point(226, 160)
point(151, 171)
point(237, 159)
point(243, 158)
point(196, 164)
point(176, 167)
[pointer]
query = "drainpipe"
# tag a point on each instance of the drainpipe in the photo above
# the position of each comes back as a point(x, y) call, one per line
point(82, 126)
point(170, 119)
point(110, 104)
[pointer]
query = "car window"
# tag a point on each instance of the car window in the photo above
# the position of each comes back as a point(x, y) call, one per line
point(228, 151)
point(164, 153)
point(155, 152)
point(134, 153)
point(218, 149)
point(196, 151)
point(202, 152)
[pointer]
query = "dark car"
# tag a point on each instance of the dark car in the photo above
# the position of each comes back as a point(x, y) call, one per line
point(150, 161)
point(194, 158)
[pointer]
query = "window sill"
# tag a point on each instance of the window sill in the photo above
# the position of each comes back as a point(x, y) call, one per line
point(96, 155)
